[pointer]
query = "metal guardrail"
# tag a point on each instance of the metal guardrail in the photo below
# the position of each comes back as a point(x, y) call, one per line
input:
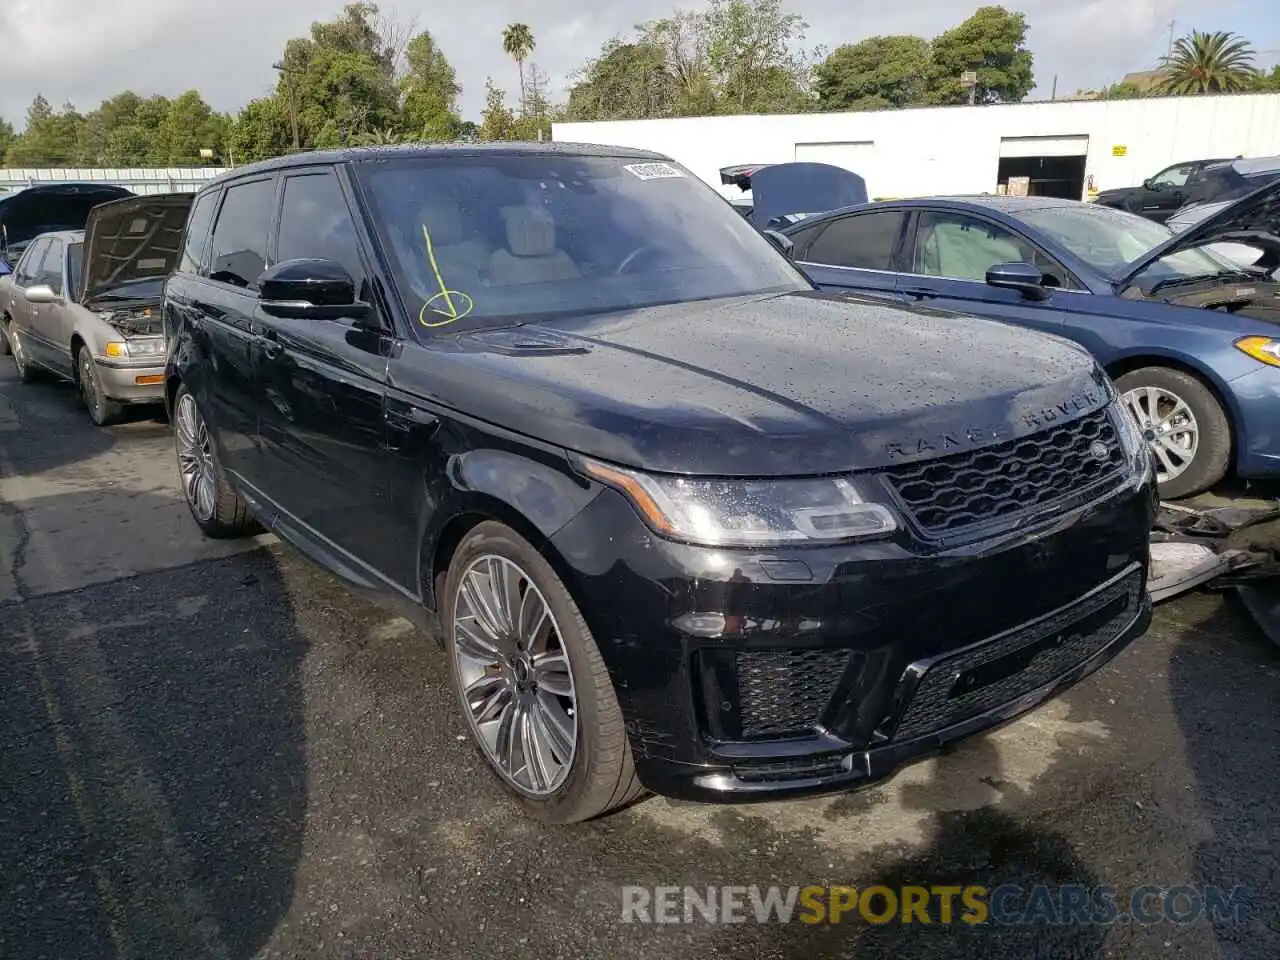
point(140, 180)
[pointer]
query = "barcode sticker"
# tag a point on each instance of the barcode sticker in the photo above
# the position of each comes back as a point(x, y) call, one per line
point(653, 171)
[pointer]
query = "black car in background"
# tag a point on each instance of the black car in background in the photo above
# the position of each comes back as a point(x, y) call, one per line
point(1159, 196)
point(687, 523)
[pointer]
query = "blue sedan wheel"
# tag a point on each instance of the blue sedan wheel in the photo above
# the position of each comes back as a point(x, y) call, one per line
point(1185, 426)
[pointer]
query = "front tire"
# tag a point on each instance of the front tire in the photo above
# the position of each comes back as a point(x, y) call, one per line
point(532, 685)
point(102, 410)
point(1185, 426)
point(214, 504)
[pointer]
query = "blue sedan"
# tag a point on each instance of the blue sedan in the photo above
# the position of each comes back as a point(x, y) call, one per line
point(1190, 337)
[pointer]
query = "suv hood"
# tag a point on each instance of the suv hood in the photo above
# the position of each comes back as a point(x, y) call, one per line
point(28, 213)
point(1253, 220)
point(794, 384)
point(791, 189)
point(138, 238)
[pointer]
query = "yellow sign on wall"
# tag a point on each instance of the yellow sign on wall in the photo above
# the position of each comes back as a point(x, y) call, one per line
point(1119, 150)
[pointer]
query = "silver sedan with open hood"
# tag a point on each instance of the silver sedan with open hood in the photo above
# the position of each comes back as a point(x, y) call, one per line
point(85, 305)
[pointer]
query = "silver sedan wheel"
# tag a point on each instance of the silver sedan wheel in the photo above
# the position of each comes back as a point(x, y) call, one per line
point(195, 458)
point(1169, 426)
point(515, 676)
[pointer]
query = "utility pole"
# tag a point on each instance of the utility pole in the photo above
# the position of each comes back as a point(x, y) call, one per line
point(288, 74)
point(1054, 94)
point(1169, 52)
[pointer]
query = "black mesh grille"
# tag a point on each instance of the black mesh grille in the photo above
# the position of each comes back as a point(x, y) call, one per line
point(785, 691)
point(956, 491)
point(990, 675)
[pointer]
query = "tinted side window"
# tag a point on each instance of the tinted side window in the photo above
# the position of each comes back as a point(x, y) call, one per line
point(238, 253)
point(803, 238)
point(196, 240)
point(51, 266)
point(1173, 176)
point(863, 240)
point(316, 223)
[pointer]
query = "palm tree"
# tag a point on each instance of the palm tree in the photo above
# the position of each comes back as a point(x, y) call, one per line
point(517, 43)
point(1208, 63)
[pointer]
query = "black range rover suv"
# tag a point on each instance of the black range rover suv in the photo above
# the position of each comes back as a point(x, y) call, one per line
point(686, 523)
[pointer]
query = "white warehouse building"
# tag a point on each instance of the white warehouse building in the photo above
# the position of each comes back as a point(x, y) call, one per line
point(1067, 148)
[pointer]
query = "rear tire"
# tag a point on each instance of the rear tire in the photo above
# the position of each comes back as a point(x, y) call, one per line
point(517, 679)
point(27, 371)
point(214, 504)
point(1186, 427)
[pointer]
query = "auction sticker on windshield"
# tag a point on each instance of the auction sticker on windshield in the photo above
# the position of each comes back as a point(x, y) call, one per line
point(653, 171)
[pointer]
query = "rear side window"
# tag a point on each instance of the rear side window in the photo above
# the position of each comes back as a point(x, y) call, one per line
point(238, 250)
point(864, 240)
point(316, 223)
point(196, 239)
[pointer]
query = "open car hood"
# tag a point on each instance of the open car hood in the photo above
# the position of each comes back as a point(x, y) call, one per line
point(1253, 220)
point(138, 238)
point(25, 214)
point(791, 189)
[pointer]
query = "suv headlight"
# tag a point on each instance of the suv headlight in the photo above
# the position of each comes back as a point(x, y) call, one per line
point(1132, 438)
point(731, 512)
point(135, 349)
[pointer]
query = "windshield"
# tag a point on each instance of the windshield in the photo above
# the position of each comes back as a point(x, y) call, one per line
point(1109, 240)
point(499, 239)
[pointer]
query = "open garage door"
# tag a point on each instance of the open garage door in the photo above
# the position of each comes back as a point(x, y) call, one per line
point(1044, 166)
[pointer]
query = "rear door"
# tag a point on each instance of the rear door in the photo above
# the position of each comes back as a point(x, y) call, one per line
point(854, 253)
point(24, 275)
point(323, 381)
point(946, 261)
point(223, 304)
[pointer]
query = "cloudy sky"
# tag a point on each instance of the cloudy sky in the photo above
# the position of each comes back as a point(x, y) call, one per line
point(87, 50)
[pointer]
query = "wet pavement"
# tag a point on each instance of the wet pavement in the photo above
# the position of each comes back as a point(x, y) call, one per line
point(213, 750)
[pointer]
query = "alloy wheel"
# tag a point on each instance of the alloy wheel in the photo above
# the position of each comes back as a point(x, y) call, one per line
point(1169, 427)
point(515, 676)
point(195, 458)
point(89, 385)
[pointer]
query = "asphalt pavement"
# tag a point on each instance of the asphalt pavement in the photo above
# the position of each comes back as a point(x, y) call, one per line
point(212, 750)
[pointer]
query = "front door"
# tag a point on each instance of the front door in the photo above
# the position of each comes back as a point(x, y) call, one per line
point(1165, 193)
point(321, 426)
point(946, 262)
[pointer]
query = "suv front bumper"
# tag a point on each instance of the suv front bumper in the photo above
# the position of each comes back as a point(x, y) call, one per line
point(745, 675)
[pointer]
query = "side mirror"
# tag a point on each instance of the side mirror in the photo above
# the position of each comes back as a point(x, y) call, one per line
point(1026, 278)
point(40, 293)
point(784, 243)
point(310, 290)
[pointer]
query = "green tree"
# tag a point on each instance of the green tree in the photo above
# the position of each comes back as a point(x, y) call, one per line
point(537, 112)
point(430, 91)
point(1267, 82)
point(1124, 90)
point(518, 43)
point(751, 54)
point(261, 130)
point(627, 81)
point(992, 43)
point(49, 139)
point(876, 73)
point(1218, 62)
point(497, 122)
point(7, 136)
point(189, 127)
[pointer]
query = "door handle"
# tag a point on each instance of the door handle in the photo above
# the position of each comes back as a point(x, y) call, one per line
point(271, 348)
point(410, 417)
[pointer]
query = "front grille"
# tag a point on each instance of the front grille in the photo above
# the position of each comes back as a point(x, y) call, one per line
point(989, 675)
point(964, 489)
point(785, 691)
